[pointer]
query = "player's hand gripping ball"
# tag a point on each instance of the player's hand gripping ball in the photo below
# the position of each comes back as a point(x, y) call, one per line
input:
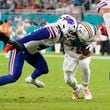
point(85, 51)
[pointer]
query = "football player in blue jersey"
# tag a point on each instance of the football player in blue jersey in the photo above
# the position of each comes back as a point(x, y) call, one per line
point(28, 47)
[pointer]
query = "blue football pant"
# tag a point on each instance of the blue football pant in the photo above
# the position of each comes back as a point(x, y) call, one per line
point(16, 65)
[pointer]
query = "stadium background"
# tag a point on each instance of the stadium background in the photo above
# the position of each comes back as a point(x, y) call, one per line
point(56, 95)
point(36, 13)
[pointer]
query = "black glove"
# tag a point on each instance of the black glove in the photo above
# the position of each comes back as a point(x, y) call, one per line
point(4, 37)
point(16, 45)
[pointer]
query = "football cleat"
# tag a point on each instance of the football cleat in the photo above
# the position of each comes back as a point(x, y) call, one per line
point(75, 93)
point(35, 82)
point(87, 93)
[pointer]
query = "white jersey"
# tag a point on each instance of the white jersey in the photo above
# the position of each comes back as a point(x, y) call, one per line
point(55, 34)
point(72, 47)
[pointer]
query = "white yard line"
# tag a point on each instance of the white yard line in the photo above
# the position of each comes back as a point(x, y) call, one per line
point(62, 56)
point(93, 57)
point(101, 57)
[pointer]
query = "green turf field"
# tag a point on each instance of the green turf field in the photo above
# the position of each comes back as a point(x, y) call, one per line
point(56, 95)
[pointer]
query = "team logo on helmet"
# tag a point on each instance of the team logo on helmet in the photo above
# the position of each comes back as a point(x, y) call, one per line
point(86, 31)
point(67, 23)
point(68, 19)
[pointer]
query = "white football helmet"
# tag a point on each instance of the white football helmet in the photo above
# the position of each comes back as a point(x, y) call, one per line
point(86, 31)
point(103, 4)
point(68, 24)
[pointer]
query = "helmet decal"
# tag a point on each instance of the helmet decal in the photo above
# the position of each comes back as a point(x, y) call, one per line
point(86, 31)
point(87, 26)
point(68, 19)
point(67, 23)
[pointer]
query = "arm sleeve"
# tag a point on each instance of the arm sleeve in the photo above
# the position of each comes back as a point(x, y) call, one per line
point(40, 34)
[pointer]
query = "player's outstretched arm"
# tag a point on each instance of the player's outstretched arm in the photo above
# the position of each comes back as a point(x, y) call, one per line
point(6, 39)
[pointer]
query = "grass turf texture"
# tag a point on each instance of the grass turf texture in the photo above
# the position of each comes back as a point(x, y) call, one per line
point(56, 95)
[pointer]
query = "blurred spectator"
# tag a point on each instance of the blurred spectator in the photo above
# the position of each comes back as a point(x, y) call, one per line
point(43, 23)
point(30, 26)
point(37, 21)
point(1, 22)
point(86, 4)
point(5, 27)
point(40, 5)
point(105, 46)
point(20, 31)
point(12, 5)
point(18, 18)
point(37, 4)
point(11, 21)
point(3, 4)
point(49, 4)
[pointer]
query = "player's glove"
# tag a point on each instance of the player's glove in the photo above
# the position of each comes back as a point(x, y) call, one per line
point(6, 39)
point(16, 45)
point(8, 47)
point(90, 47)
point(86, 51)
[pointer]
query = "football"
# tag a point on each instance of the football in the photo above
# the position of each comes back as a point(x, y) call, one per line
point(85, 51)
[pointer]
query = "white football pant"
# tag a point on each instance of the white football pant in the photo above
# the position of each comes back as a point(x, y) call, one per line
point(70, 66)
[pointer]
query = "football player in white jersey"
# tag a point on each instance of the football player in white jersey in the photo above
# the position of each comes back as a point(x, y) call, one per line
point(28, 47)
point(103, 7)
point(74, 54)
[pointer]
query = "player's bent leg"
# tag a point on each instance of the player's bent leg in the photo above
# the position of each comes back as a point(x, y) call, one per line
point(15, 68)
point(33, 78)
point(41, 67)
point(72, 82)
point(86, 92)
point(35, 82)
point(6, 79)
point(76, 92)
point(86, 77)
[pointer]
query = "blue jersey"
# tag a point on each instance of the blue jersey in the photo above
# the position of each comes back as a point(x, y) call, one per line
point(42, 38)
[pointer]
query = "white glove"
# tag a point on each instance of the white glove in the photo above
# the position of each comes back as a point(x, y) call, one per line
point(90, 47)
